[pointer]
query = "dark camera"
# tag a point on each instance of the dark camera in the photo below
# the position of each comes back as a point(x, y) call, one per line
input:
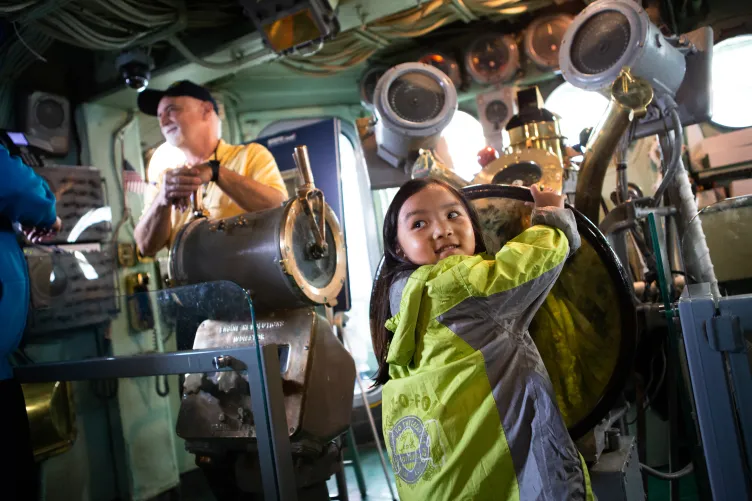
point(135, 69)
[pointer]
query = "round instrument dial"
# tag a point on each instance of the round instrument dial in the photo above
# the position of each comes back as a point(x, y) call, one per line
point(448, 65)
point(416, 97)
point(496, 111)
point(543, 39)
point(519, 174)
point(492, 58)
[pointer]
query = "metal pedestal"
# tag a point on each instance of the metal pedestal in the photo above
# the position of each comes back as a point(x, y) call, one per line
point(616, 476)
point(262, 366)
point(719, 370)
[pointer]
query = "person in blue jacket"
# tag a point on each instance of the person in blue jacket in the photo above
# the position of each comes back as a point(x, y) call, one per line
point(24, 198)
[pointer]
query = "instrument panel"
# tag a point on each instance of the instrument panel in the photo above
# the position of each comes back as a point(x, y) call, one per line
point(491, 57)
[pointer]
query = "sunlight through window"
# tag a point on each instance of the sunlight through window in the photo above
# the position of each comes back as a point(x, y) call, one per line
point(360, 273)
point(577, 108)
point(732, 82)
point(464, 139)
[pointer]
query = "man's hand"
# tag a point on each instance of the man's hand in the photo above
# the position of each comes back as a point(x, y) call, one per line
point(546, 198)
point(179, 184)
point(39, 235)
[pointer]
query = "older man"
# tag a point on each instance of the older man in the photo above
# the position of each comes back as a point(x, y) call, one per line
point(230, 180)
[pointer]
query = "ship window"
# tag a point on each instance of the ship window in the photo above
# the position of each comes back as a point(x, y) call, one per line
point(732, 82)
point(359, 270)
point(463, 139)
point(577, 108)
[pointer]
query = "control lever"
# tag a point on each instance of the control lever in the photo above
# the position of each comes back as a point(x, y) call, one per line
point(197, 205)
point(307, 195)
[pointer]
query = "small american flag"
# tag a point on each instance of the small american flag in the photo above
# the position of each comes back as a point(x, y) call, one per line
point(132, 180)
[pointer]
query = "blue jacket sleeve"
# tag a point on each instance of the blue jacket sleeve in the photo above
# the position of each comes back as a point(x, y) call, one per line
point(24, 196)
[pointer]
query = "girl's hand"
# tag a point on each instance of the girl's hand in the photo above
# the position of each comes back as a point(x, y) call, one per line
point(546, 198)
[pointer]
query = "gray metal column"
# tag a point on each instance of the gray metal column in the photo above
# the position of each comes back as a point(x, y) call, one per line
point(715, 410)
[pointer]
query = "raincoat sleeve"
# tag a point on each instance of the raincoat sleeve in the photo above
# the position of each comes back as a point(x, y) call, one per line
point(24, 196)
point(520, 274)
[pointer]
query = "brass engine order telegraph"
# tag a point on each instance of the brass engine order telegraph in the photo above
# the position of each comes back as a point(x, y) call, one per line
point(535, 154)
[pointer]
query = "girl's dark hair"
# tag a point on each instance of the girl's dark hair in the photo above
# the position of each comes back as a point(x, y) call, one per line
point(393, 265)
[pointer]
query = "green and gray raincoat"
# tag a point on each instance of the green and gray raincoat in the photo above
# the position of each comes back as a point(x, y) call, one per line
point(469, 412)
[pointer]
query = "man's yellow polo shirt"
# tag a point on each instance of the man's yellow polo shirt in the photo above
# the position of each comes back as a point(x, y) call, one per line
point(251, 160)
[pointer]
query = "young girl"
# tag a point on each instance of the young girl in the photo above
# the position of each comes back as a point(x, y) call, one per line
point(468, 408)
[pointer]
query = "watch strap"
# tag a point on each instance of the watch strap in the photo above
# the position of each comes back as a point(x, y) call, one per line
point(214, 164)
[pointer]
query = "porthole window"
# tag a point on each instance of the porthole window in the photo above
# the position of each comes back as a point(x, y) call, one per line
point(578, 109)
point(732, 82)
point(463, 139)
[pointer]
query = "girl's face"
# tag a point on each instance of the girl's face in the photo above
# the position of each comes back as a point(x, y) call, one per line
point(433, 224)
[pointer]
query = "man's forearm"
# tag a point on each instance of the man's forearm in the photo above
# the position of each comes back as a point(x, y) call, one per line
point(247, 193)
point(153, 231)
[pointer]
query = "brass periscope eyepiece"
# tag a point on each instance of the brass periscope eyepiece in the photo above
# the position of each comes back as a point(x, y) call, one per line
point(308, 195)
point(630, 97)
point(535, 154)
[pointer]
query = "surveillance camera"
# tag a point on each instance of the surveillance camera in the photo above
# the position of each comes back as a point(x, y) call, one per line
point(135, 68)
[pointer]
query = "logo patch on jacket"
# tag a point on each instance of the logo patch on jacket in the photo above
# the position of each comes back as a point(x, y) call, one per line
point(410, 443)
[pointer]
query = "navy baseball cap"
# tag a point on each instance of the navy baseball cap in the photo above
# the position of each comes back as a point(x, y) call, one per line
point(148, 100)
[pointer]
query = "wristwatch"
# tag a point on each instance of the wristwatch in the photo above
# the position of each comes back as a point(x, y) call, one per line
point(214, 164)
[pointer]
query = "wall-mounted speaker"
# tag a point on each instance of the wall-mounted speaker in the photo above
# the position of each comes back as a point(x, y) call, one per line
point(413, 103)
point(47, 118)
point(495, 108)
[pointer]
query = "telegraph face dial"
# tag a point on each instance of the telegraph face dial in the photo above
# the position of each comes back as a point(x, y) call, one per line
point(416, 97)
point(496, 111)
point(492, 58)
point(543, 39)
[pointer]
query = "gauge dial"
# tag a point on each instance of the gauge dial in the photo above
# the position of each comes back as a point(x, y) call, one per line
point(492, 59)
point(519, 174)
point(446, 64)
point(496, 112)
point(416, 97)
point(543, 39)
